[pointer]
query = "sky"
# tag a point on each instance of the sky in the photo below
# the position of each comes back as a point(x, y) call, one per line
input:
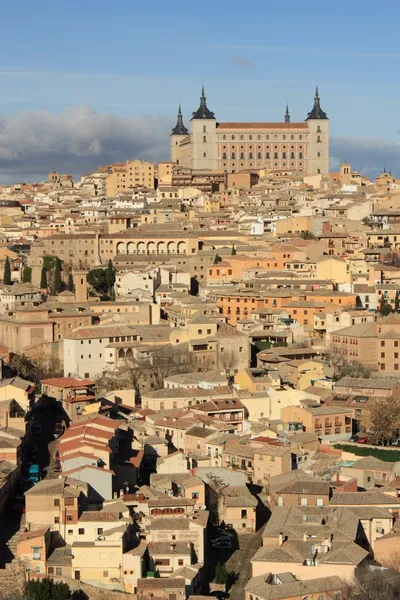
point(88, 83)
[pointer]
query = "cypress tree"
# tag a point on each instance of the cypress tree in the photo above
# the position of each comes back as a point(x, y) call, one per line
point(70, 285)
point(58, 283)
point(43, 279)
point(397, 302)
point(27, 275)
point(7, 272)
point(233, 251)
point(110, 275)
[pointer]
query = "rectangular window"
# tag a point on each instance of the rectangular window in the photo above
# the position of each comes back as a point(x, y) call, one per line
point(81, 531)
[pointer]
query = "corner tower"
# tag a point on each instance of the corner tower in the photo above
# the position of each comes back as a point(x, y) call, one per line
point(178, 133)
point(204, 127)
point(318, 139)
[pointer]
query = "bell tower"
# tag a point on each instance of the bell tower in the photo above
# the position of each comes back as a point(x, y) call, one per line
point(204, 128)
point(318, 139)
point(178, 133)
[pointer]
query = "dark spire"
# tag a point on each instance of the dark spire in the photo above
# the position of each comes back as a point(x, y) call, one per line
point(317, 112)
point(203, 112)
point(287, 114)
point(179, 128)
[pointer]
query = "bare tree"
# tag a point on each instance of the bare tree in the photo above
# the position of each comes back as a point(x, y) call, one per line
point(381, 418)
point(227, 360)
point(374, 585)
point(42, 366)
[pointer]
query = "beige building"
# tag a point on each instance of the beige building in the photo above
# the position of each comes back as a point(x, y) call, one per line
point(233, 147)
point(128, 175)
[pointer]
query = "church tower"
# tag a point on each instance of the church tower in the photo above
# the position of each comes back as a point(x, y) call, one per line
point(318, 139)
point(178, 133)
point(204, 127)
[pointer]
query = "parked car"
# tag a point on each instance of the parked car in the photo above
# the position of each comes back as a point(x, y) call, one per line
point(222, 544)
point(19, 503)
point(395, 442)
point(353, 438)
point(57, 455)
point(58, 430)
point(363, 439)
point(25, 486)
point(57, 467)
point(217, 533)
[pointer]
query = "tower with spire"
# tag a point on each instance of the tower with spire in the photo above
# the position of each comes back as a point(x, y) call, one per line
point(299, 145)
point(204, 138)
point(178, 133)
point(318, 138)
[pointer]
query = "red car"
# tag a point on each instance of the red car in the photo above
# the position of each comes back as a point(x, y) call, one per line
point(363, 439)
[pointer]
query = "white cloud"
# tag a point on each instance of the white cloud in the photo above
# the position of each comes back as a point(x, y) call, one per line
point(75, 141)
point(80, 139)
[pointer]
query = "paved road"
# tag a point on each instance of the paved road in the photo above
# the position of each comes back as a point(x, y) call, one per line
point(239, 562)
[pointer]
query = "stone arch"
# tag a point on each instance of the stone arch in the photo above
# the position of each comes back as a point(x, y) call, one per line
point(121, 353)
point(131, 248)
point(161, 248)
point(181, 248)
point(121, 248)
point(171, 247)
point(141, 248)
point(151, 248)
point(129, 353)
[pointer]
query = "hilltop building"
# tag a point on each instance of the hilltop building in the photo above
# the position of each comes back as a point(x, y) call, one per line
point(232, 147)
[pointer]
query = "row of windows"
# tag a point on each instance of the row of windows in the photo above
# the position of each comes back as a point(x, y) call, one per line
point(260, 137)
point(259, 155)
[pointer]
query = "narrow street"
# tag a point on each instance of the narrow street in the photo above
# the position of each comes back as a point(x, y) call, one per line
point(239, 562)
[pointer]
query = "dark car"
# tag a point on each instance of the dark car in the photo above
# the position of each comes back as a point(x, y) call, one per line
point(353, 438)
point(58, 430)
point(57, 467)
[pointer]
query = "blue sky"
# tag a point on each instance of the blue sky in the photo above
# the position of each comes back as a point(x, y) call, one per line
point(135, 60)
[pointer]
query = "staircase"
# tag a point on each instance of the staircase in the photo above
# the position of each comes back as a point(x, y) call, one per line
point(12, 533)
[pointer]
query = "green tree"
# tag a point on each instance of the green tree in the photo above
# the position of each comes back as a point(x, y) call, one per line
point(347, 369)
point(217, 259)
point(43, 279)
point(47, 589)
point(233, 251)
point(70, 285)
point(110, 275)
point(384, 307)
point(7, 272)
point(221, 573)
point(58, 282)
point(97, 279)
point(397, 302)
point(307, 235)
point(27, 275)
point(49, 262)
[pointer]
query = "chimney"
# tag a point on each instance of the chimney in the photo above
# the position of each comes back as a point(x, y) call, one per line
point(280, 538)
point(305, 537)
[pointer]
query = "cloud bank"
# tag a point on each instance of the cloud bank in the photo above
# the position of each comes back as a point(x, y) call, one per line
point(80, 139)
point(76, 141)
